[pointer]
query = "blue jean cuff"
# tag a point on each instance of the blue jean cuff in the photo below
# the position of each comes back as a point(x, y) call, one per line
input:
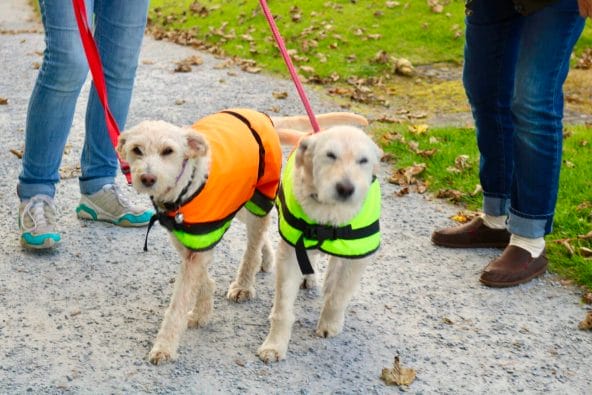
point(496, 206)
point(529, 227)
point(27, 191)
point(90, 186)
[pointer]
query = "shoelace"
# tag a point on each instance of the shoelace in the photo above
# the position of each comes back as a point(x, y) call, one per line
point(123, 201)
point(35, 209)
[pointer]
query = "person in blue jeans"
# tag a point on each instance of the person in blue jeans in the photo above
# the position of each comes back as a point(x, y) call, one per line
point(517, 56)
point(118, 31)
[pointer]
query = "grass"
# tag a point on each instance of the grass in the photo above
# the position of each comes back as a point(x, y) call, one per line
point(574, 208)
point(342, 39)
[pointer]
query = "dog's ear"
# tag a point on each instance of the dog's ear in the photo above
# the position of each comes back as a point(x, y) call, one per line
point(196, 143)
point(304, 150)
point(121, 145)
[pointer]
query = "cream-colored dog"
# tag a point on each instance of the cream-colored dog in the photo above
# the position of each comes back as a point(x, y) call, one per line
point(330, 202)
point(197, 182)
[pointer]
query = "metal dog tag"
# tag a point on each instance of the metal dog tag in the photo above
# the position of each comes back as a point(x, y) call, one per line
point(179, 218)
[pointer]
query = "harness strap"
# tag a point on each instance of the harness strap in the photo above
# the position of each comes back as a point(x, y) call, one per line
point(261, 165)
point(320, 233)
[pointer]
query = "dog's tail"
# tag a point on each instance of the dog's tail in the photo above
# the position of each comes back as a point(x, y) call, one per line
point(302, 123)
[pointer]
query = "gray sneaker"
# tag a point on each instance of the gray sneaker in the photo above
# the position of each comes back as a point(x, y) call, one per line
point(37, 223)
point(110, 205)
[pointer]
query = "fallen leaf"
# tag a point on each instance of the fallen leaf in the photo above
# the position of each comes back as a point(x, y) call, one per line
point(403, 191)
point(478, 190)
point(585, 252)
point(3, 101)
point(586, 236)
point(387, 157)
point(451, 194)
point(17, 152)
point(587, 298)
point(461, 162)
point(280, 95)
point(569, 164)
point(418, 129)
point(464, 216)
point(567, 245)
point(586, 324)
point(184, 66)
point(404, 67)
point(447, 321)
point(179, 102)
point(398, 375)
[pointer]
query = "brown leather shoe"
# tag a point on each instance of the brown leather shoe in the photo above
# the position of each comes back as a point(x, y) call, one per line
point(473, 234)
point(515, 266)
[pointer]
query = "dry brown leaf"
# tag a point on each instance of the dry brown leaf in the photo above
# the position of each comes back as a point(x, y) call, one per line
point(403, 67)
point(387, 157)
point(435, 6)
point(392, 4)
point(568, 164)
point(403, 191)
point(478, 190)
point(427, 153)
point(17, 152)
point(398, 375)
point(179, 102)
point(462, 163)
point(451, 194)
point(586, 324)
point(3, 101)
point(567, 245)
point(585, 252)
point(280, 95)
point(586, 236)
point(587, 298)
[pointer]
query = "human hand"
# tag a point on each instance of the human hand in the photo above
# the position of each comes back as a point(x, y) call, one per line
point(585, 8)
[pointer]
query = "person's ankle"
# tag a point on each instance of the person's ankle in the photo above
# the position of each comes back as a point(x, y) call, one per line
point(495, 222)
point(535, 246)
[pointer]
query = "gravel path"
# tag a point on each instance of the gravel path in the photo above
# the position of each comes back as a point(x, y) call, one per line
point(82, 318)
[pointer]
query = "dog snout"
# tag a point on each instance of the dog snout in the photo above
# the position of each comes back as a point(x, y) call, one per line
point(148, 179)
point(345, 189)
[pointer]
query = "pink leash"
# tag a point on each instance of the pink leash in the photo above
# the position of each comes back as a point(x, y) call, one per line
point(291, 69)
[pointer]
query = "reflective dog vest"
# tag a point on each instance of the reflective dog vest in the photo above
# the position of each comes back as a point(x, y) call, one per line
point(245, 171)
point(358, 239)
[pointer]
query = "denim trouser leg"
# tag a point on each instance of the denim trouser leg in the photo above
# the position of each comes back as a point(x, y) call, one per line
point(119, 30)
point(514, 73)
point(64, 70)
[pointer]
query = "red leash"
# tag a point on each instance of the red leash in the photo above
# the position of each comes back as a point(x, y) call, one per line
point(291, 69)
point(96, 69)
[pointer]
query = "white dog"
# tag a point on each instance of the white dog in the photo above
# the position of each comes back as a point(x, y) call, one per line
point(198, 178)
point(329, 200)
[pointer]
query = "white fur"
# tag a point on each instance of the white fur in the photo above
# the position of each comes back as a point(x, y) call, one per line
point(323, 161)
point(157, 151)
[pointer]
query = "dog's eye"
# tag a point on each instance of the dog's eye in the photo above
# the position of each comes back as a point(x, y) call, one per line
point(363, 161)
point(137, 151)
point(331, 155)
point(167, 151)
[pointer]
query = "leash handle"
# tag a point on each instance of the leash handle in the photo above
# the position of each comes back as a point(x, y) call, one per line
point(290, 65)
point(98, 76)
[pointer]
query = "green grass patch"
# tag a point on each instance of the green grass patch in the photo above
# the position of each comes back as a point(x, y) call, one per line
point(574, 208)
point(340, 37)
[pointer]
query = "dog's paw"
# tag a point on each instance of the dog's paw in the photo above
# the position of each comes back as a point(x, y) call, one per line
point(309, 282)
point(329, 329)
point(197, 320)
point(240, 294)
point(269, 353)
point(158, 355)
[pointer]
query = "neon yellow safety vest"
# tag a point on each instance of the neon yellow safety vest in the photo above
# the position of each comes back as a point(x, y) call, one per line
point(358, 239)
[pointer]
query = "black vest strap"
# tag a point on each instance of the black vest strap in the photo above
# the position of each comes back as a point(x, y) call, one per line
point(261, 166)
point(320, 233)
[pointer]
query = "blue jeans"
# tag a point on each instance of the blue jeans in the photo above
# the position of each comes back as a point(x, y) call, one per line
point(118, 31)
point(514, 71)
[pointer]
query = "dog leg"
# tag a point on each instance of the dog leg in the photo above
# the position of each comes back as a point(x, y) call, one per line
point(193, 271)
point(341, 282)
point(267, 255)
point(204, 303)
point(243, 287)
point(288, 278)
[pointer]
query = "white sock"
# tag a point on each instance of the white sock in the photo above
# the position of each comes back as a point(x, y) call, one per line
point(494, 222)
point(534, 246)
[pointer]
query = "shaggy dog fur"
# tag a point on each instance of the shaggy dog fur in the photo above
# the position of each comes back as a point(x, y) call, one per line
point(156, 152)
point(324, 163)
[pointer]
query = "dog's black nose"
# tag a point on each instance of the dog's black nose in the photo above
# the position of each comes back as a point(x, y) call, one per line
point(148, 179)
point(344, 189)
